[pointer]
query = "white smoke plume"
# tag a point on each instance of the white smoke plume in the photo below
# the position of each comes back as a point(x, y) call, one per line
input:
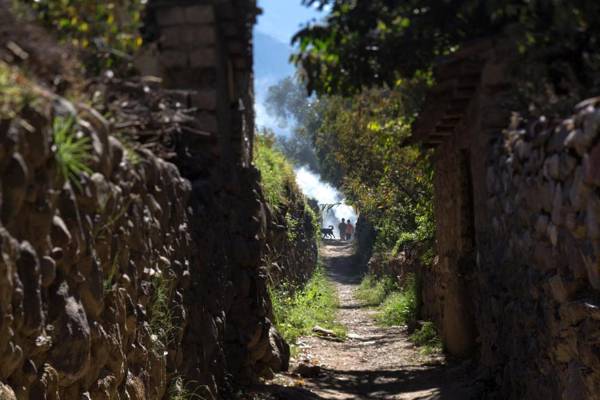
point(312, 186)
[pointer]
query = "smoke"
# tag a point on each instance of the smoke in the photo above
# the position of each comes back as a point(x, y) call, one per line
point(312, 186)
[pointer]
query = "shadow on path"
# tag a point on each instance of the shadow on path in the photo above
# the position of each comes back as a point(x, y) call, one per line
point(374, 362)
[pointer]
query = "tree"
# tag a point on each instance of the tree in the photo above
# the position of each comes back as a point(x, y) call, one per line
point(376, 42)
point(289, 102)
point(361, 148)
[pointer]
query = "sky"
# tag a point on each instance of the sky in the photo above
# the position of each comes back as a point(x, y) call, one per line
point(281, 19)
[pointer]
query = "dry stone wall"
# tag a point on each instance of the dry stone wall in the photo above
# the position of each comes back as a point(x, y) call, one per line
point(88, 266)
point(92, 273)
point(540, 273)
point(517, 281)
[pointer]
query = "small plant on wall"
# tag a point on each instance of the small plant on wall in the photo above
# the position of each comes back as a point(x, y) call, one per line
point(72, 152)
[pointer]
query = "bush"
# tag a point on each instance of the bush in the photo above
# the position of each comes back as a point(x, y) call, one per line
point(373, 291)
point(277, 174)
point(427, 337)
point(298, 311)
point(400, 307)
point(107, 32)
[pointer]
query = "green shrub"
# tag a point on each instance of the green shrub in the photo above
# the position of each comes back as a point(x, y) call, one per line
point(107, 32)
point(277, 174)
point(14, 95)
point(400, 307)
point(373, 291)
point(72, 152)
point(427, 337)
point(298, 311)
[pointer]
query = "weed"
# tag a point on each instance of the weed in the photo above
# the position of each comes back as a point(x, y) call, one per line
point(108, 282)
point(292, 227)
point(427, 338)
point(373, 291)
point(161, 318)
point(129, 146)
point(72, 152)
point(298, 312)
point(15, 92)
point(178, 390)
point(400, 307)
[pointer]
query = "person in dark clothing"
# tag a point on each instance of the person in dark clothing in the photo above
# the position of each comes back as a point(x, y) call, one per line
point(342, 228)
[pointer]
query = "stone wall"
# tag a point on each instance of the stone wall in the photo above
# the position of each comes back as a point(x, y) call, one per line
point(540, 274)
point(203, 52)
point(79, 299)
point(516, 212)
point(83, 262)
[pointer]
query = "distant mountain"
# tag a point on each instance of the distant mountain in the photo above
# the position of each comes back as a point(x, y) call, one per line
point(271, 58)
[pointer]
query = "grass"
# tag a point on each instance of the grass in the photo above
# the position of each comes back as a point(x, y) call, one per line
point(72, 152)
point(161, 319)
point(397, 305)
point(298, 312)
point(427, 338)
point(399, 308)
point(277, 174)
point(178, 390)
point(373, 291)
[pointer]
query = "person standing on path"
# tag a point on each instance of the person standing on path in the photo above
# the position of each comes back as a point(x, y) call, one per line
point(342, 228)
point(349, 230)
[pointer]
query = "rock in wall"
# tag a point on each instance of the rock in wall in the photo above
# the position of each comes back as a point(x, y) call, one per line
point(539, 274)
point(83, 262)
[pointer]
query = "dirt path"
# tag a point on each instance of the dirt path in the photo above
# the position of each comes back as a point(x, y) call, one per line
point(374, 362)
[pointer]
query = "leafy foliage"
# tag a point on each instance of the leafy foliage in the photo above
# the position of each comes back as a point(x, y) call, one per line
point(427, 338)
point(72, 151)
point(276, 173)
point(297, 311)
point(361, 148)
point(372, 291)
point(400, 307)
point(14, 95)
point(374, 43)
point(106, 31)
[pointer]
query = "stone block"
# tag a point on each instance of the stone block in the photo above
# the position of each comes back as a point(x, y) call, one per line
point(591, 166)
point(204, 99)
point(171, 37)
point(240, 63)
point(169, 16)
point(207, 122)
point(235, 47)
point(557, 289)
point(206, 57)
point(200, 14)
point(173, 59)
point(205, 35)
